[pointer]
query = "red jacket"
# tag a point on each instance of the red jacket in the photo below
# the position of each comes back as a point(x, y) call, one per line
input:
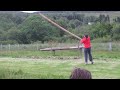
point(86, 42)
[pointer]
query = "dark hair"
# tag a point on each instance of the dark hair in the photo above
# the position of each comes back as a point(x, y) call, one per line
point(79, 73)
point(86, 36)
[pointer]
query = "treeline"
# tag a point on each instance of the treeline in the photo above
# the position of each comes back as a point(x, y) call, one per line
point(18, 27)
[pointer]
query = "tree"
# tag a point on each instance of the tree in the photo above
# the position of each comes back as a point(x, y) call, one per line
point(14, 34)
point(34, 28)
point(116, 32)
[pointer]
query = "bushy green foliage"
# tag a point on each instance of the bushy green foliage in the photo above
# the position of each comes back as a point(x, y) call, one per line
point(29, 28)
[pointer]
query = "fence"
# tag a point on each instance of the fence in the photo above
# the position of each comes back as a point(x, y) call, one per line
point(95, 46)
point(110, 46)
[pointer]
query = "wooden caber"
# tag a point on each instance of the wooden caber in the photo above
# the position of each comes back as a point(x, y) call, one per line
point(65, 30)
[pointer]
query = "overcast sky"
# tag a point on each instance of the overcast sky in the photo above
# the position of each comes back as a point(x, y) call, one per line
point(29, 11)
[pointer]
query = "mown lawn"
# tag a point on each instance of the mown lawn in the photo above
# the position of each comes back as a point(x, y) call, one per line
point(44, 65)
point(22, 68)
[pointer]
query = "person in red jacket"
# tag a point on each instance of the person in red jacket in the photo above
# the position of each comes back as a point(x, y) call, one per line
point(87, 48)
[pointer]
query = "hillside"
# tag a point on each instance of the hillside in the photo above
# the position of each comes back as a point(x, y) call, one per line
point(26, 28)
point(112, 14)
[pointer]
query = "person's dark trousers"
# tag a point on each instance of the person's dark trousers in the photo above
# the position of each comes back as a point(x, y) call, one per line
point(87, 51)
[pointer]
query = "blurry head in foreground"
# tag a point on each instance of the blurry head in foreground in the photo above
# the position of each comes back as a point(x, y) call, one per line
point(79, 73)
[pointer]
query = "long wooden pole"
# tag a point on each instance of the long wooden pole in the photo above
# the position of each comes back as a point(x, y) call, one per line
point(59, 26)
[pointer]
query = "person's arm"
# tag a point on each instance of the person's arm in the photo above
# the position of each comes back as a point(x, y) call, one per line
point(82, 40)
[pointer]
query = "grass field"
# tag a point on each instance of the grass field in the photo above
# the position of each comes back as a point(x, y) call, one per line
point(27, 62)
point(43, 65)
point(20, 68)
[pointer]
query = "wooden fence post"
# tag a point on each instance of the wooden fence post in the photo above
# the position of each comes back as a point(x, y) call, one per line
point(1, 47)
point(9, 47)
point(110, 46)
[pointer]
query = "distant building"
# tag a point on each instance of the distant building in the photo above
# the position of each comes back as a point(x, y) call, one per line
point(90, 23)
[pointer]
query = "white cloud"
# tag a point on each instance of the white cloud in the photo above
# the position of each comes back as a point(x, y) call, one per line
point(29, 11)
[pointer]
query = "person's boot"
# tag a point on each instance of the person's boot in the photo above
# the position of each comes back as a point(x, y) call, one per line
point(86, 63)
point(92, 62)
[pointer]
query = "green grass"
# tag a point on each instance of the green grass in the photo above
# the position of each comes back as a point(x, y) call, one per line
point(70, 53)
point(38, 54)
point(106, 55)
point(21, 68)
point(24, 64)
